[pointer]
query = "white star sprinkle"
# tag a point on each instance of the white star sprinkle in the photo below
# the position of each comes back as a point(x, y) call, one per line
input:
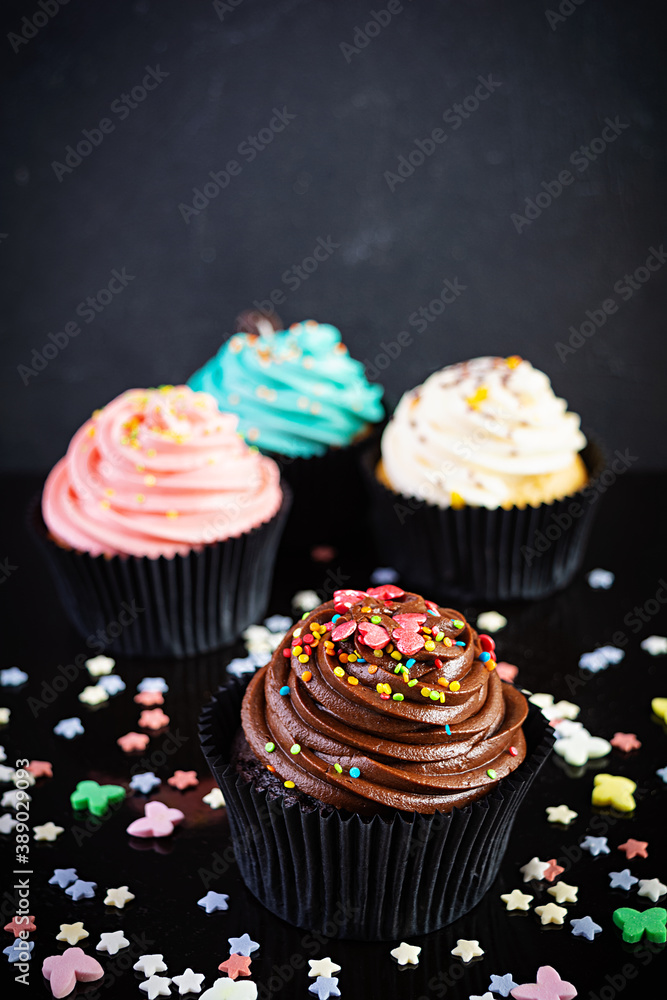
point(651, 887)
point(516, 900)
point(467, 950)
point(561, 814)
point(491, 621)
point(325, 967)
point(189, 982)
point(48, 831)
point(656, 645)
point(150, 964)
point(98, 666)
point(118, 897)
point(93, 695)
point(215, 799)
point(405, 954)
point(112, 942)
point(564, 893)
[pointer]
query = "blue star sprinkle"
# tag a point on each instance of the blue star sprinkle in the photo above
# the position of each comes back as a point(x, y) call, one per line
point(81, 890)
point(241, 665)
point(325, 987)
point(502, 984)
point(13, 677)
point(622, 880)
point(243, 945)
point(596, 845)
point(153, 684)
point(144, 782)
point(585, 927)
point(213, 901)
point(112, 684)
point(662, 773)
point(63, 877)
point(69, 728)
point(20, 951)
point(600, 658)
point(384, 574)
point(278, 623)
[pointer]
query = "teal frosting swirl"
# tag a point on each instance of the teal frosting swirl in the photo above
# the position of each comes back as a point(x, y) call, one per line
point(296, 392)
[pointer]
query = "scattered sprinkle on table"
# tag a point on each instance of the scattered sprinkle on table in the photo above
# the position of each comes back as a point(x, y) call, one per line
point(112, 942)
point(156, 986)
point(491, 621)
point(634, 925)
point(467, 950)
point(144, 782)
point(595, 845)
point(72, 933)
point(99, 666)
point(150, 964)
point(516, 900)
point(72, 967)
point(405, 954)
point(561, 814)
point(551, 913)
point(68, 728)
point(325, 987)
point(549, 986)
point(158, 821)
point(81, 890)
point(93, 695)
point(600, 579)
point(634, 848)
point(245, 945)
point(622, 880)
point(189, 981)
point(613, 790)
point(213, 901)
point(585, 927)
point(12, 677)
point(215, 799)
point(132, 742)
point(503, 985)
point(625, 742)
point(63, 877)
point(236, 965)
point(48, 831)
point(118, 897)
point(564, 893)
point(653, 888)
point(656, 645)
point(325, 967)
point(183, 780)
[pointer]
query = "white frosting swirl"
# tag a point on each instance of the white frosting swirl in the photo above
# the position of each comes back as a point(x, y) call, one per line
point(475, 430)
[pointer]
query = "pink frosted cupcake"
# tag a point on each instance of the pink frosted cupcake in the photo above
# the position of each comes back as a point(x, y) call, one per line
point(159, 507)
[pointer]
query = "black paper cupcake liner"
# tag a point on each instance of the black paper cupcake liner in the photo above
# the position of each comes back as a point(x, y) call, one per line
point(476, 554)
point(137, 606)
point(370, 879)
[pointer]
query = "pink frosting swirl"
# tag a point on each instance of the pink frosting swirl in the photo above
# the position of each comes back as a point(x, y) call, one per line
point(158, 472)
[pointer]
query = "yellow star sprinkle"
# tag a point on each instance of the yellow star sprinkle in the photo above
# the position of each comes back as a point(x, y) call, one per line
point(550, 913)
point(72, 933)
point(613, 790)
point(564, 893)
point(516, 900)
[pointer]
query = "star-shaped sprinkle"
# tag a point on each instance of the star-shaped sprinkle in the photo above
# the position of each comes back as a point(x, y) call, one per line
point(405, 954)
point(183, 780)
point(491, 621)
point(236, 965)
point(600, 658)
point(98, 666)
point(47, 831)
point(551, 913)
point(118, 897)
point(189, 982)
point(81, 890)
point(502, 984)
point(241, 665)
point(132, 742)
point(69, 728)
point(595, 845)
point(96, 798)
point(278, 623)
point(215, 799)
point(6, 773)
point(580, 747)
point(40, 768)
point(634, 848)
point(656, 645)
point(93, 695)
point(585, 927)
point(72, 933)
point(144, 782)
point(113, 684)
point(325, 987)
point(325, 967)
point(153, 684)
point(622, 880)
point(600, 579)
point(245, 945)
point(156, 986)
point(506, 671)
point(112, 942)
point(305, 600)
point(158, 821)
point(534, 869)
point(516, 900)
point(549, 986)
point(7, 823)
point(4, 716)
point(153, 718)
point(3, 755)
point(553, 710)
point(15, 798)
point(561, 814)
point(662, 773)
point(564, 893)
point(148, 698)
point(659, 706)
point(17, 925)
point(19, 951)
point(651, 887)
point(625, 742)
point(72, 967)
point(150, 964)
point(634, 924)
point(12, 677)
point(553, 870)
point(467, 950)
point(613, 790)
point(229, 989)
point(63, 877)
point(486, 996)
point(213, 901)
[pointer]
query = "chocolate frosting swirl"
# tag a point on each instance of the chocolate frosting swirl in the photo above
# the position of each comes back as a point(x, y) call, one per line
point(381, 698)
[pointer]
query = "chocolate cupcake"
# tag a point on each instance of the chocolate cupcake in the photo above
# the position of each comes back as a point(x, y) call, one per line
point(159, 506)
point(301, 399)
point(482, 486)
point(378, 767)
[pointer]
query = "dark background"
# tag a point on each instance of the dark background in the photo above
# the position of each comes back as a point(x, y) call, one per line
point(324, 176)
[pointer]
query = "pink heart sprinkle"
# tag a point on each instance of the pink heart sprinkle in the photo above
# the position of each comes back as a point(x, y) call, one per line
point(344, 599)
point(343, 630)
point(373, 635)
point(506, 671)
point(407, 641)
point(410, 621)
point(385, 593)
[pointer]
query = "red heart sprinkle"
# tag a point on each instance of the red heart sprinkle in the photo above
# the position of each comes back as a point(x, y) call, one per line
point(343, 629)
point(432, 606)
point(410, 621)
point(385, 593)
point(407, 641)
point(344, 599)
point(487, 643)
point(373, 635)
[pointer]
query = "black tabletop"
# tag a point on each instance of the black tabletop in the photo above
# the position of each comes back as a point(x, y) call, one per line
point(169, 876)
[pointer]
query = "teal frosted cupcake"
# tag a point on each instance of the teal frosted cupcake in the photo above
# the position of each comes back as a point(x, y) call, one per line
point(297, 392)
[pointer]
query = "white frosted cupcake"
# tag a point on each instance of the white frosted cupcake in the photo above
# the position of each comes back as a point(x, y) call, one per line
point(475, 465)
